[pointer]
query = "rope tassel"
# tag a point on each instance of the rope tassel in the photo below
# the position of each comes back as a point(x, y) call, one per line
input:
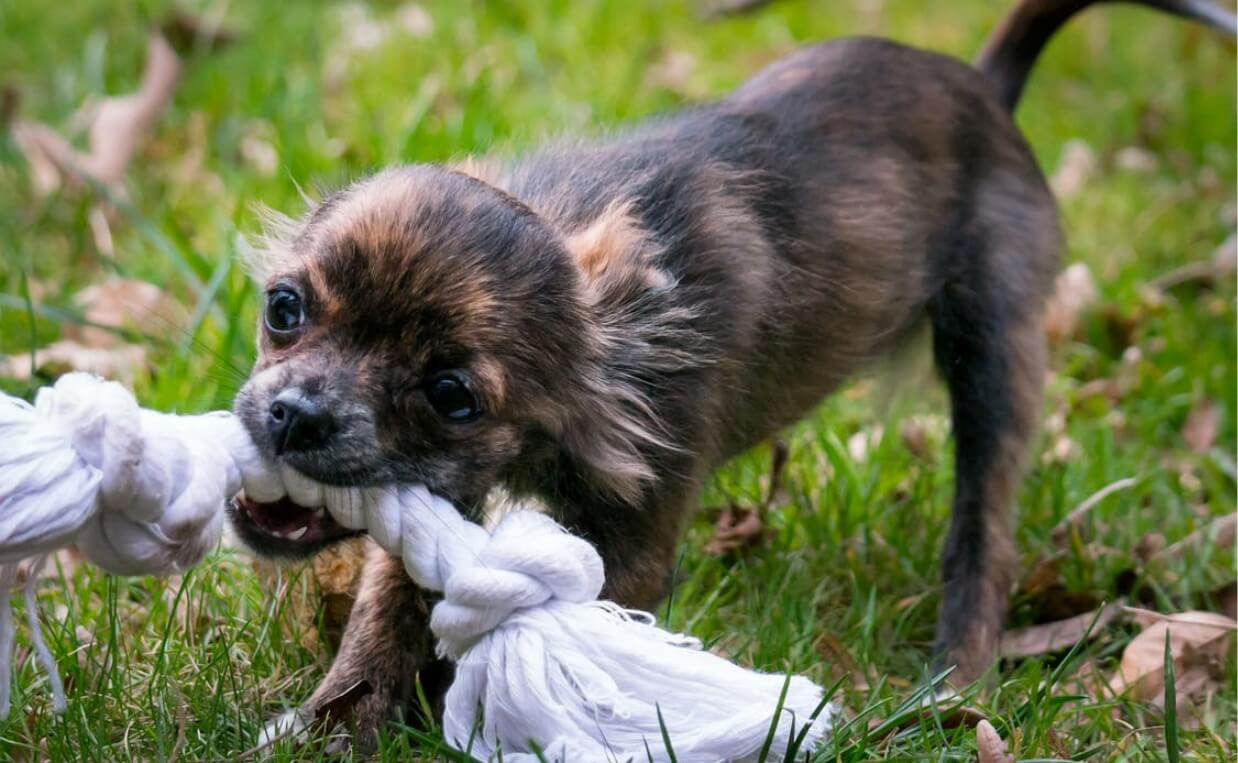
point(542, 666)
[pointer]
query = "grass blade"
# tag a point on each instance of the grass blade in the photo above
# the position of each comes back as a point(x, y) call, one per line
point(773, 724)
point(1171, 705)
point(666, 736)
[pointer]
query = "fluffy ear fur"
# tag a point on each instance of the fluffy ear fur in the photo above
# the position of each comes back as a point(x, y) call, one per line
point(641, 332)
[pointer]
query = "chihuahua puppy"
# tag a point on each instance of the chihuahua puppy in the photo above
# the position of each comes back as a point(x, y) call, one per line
point(598, 325)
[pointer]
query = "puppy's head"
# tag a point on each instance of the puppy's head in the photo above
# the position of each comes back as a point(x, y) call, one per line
point(422, 326)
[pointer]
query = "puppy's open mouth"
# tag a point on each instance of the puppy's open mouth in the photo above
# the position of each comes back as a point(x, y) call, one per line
point(284, 528)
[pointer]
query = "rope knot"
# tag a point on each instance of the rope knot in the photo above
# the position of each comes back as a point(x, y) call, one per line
point(528, 560)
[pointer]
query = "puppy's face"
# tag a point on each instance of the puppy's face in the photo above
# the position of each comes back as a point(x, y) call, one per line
point(418, 327)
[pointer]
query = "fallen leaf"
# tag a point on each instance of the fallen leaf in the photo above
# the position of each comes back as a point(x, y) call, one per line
point(1148, 546)
point(1135, 159)
point(257, 150)
point(1220, 531)
point(989, 745)
point(964, 716)
point(1074, 291)
point(1061, 451)
point(736, 529)
point(1195, 639)
point(922, 435)
point(739, 527)
point(1202, 425)
point(1076, 168)
point(415, 20)
point(337, 571)
point(1053, 637)
point(1224, 598)
point(119, 125)
point(118, 304)
point(122, 303)
point(673, 72)
point(1219, 268)
point(839, 660)
point(58, 358)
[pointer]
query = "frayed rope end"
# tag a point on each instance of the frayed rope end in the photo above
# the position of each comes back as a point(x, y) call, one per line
point(8, 577)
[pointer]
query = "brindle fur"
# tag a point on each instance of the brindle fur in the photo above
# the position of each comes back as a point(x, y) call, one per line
point(635, 311)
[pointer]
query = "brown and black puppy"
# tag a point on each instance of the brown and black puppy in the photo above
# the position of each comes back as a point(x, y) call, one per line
point(597, 325)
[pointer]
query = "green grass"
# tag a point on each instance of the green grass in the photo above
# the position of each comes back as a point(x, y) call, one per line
point(192, 667)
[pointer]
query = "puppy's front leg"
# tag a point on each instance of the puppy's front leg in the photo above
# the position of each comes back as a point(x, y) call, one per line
point(637, 543)
point(388, 645)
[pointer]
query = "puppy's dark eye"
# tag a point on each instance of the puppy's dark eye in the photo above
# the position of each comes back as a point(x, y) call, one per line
point(450, 395)
point(284, 312)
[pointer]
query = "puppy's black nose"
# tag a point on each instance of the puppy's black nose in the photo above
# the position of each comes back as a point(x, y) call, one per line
point(297, 422)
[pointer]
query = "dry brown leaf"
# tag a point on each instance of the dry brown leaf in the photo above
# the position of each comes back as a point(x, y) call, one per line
point(1224, 598)
point(120, 303)
point(1060, 451)
point(1135, 159)
point(1220, 531)
point(923, 435)
point(124, 303)
point(673, 72)
point(258, 151)
point(839, 659)
point(119, 363)
point(415, 20)
point(1220, 267)
point(1195, 639)
point(1202, 425)
point(1056, 636)
point(736, 529)
point(337, 570)
point(1074, 291)
point(989, 745)
point(119, 126)
point(1077, 167)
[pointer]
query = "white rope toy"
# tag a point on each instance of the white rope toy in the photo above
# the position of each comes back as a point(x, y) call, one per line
point(541, 664)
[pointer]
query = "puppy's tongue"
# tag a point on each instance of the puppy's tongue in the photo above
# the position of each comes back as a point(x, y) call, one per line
point(283, 517)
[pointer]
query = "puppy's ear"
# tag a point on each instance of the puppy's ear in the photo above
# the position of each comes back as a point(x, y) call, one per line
point(638, 332)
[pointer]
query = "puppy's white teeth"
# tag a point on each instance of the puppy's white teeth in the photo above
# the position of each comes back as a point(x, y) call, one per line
point(320, 512)
point(344, 504)
point(297, 534)
point(262, 484)
point(301, 489)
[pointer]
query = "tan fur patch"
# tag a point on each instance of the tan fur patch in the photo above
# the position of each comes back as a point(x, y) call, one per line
point(615, 245)
point(487, 171)
point(493, 383)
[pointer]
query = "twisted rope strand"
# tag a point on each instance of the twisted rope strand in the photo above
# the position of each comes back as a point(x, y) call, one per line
point(538, 658)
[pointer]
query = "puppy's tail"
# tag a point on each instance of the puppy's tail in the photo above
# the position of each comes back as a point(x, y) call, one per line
point(1010, 52)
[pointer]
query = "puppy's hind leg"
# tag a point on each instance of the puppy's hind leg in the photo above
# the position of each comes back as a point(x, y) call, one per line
point(988, 343)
